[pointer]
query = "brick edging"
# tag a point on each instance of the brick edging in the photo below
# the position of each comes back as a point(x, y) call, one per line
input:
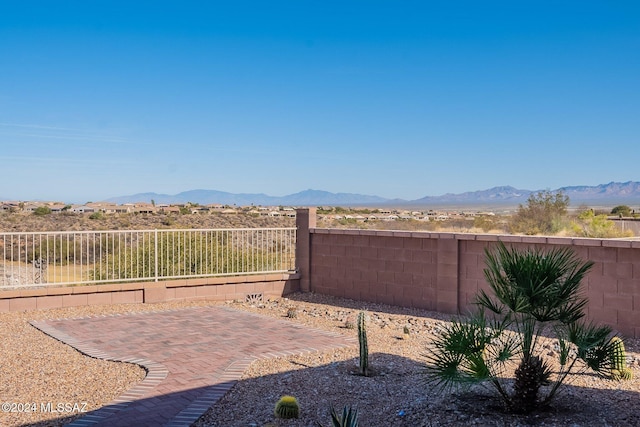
point(156, 373)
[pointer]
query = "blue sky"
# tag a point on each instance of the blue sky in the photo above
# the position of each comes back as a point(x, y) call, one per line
point(393, 98)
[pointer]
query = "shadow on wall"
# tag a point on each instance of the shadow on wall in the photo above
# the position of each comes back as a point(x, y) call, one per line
point(394, 396)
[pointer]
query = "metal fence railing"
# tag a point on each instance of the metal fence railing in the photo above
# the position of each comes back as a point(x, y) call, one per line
point(84, 257)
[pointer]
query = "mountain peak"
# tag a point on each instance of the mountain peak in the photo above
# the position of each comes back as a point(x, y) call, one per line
point(613, 192)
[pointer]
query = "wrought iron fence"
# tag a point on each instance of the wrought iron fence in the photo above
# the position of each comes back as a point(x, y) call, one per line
point(84, 257)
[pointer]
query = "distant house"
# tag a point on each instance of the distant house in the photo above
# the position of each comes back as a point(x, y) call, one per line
point(82, 209)
point(169, 209)
point(57, 208)
point(144, 210)
point(289, 212)
point(108, 208)
point(9, 206)
point(32, 206)
point(124, 209)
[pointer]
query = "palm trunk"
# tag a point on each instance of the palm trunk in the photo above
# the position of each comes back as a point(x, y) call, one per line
point(527, 385)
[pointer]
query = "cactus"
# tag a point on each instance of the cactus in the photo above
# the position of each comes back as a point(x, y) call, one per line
point(618, 360)
point(287, 407)
point(292, 312)
point(350, 323)
point(364, 348)
point(406, 332)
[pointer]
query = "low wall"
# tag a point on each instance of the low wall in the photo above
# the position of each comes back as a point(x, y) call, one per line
point(444, 271)
point(209, 289)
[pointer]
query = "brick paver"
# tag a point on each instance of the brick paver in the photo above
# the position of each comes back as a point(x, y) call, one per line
point(193, 357)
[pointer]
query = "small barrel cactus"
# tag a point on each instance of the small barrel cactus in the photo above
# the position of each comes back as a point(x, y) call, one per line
point(287, 407)
point(292, 312)
point(350, 323)
point(406, 332)
point(364, 348)
point(618, 360)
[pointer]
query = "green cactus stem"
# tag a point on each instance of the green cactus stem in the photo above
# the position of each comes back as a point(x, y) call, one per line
point(292, 312)
point(287, 407)
point(364, 348)
point(618, 360)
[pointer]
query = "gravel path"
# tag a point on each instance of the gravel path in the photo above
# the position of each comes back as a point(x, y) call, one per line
point(36, 368)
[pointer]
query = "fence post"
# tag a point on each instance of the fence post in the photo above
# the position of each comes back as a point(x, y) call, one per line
point(155, 253)
point(305, 220)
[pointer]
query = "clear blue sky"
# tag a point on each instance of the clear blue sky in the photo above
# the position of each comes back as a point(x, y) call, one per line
point(390, 98)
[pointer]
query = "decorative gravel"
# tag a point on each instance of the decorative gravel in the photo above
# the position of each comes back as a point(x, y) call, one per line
point(36, 368)
point(396, 394)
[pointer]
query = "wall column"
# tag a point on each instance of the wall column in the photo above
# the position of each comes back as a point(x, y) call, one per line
point(305, 220)
point(447, 274)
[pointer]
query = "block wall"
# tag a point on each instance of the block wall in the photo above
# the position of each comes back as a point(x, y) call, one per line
point(443, 271)
point(376, 266)
point(209, 289)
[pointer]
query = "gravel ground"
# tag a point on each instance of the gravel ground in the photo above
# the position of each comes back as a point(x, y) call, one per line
point(396, 394)
point(37, 368)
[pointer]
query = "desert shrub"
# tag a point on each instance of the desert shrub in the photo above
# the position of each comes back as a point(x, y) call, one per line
point(182, 253)
point(621, 210)
point(534, 292)
point(588, 224)
point(42, 210)
point(544, 213)
point(56, 249)
point(485, 223)
point(168, 221)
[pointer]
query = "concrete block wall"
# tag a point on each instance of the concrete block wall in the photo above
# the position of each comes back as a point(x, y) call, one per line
point(207, 289)
point(444, 271)
point(379, 266)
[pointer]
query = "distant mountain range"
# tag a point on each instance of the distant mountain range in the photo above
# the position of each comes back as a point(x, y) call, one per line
point(614, 192)
point(303, 198)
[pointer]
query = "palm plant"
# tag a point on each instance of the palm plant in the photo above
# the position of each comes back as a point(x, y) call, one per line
point(535, 293)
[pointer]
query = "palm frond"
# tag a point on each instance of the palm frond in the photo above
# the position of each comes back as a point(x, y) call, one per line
point(543, 284)
point(456, 357)
point(593, 345)
point(483, 300)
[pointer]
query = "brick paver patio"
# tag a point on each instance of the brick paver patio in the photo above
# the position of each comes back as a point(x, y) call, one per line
point(193, 357)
